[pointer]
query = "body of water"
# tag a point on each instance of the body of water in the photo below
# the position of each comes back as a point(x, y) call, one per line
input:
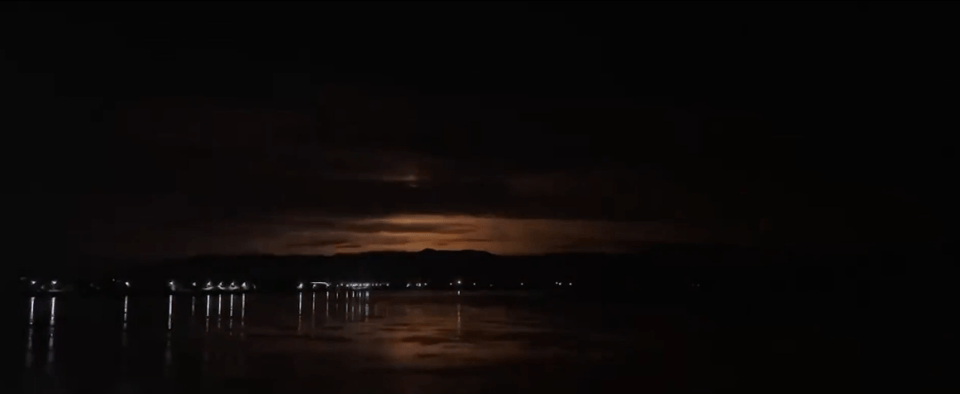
point(411, 342)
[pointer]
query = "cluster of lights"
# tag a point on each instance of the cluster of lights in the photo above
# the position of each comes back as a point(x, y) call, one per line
point(474, 283)
point(170, 284)
point(209, 286)
point(363, 285)
point(244, 286)
point(43, 286)
point(351, 285)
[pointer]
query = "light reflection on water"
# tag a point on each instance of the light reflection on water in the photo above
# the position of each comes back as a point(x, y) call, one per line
point(369, 331)
point(207, 316)
point(29, 361)
point(51, 350)
point(53, 311)
point(123, 331)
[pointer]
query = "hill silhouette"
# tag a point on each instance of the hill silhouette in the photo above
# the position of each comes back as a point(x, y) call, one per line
point(825, 278)
point(833, 276)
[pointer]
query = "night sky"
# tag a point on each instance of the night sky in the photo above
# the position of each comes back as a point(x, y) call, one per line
point(156, 130)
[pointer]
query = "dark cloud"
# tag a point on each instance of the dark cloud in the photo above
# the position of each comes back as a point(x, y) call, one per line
point(317, 243)
point(471, 240)
point(386, 241)
point(430, 228)
point(553, 172)
point(229, 137)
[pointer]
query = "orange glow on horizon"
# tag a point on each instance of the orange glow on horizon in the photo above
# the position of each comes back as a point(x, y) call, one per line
point(505, 236)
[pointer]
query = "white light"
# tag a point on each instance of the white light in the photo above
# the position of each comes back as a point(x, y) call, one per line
point(521, 283)
point(194, 284)
point(474, 283)
point(451, 283)
point(408, 285)
point(53, 282)
point(570, 284)
point(126, 284)
point(458, 282)
point(33, 282)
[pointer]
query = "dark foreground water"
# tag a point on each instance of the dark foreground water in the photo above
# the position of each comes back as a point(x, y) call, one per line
point(429, 342)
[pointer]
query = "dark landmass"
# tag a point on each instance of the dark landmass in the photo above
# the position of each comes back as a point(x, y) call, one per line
point(873, 278)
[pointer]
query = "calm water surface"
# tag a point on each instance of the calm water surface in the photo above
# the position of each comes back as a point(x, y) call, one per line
point(427, 342)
